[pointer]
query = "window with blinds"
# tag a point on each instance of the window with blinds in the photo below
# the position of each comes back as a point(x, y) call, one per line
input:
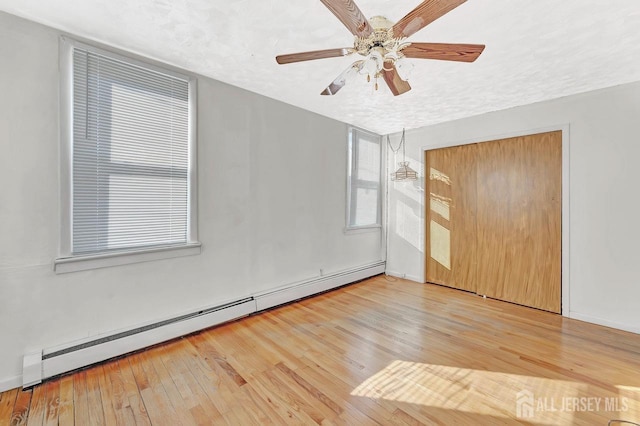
point(130, 155)
point(364, 176)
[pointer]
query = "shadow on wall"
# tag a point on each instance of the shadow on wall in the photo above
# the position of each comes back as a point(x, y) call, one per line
point(408, 212)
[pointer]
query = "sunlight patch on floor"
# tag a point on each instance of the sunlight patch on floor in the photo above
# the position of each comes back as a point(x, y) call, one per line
point(473, 391)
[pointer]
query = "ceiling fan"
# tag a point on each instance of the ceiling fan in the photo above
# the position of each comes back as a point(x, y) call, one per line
point(384, 46)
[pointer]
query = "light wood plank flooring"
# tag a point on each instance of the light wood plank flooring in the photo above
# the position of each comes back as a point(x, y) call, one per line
point(382, 351)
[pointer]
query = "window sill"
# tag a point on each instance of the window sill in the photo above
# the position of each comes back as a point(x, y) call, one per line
point(362, 229)
point(83, 263)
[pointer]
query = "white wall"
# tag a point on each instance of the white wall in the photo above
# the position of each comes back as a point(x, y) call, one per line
point(604, 212)
point(272, 182)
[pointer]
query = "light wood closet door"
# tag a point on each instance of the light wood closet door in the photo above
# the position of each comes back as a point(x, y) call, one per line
point(451, 217)
point(519, 212)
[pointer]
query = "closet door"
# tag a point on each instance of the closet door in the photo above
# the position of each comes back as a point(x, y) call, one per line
point(519, 202)
point(451, 216)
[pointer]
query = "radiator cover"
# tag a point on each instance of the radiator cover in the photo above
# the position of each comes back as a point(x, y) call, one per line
point(50, 362)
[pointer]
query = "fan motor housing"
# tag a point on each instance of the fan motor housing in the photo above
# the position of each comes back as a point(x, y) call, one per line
point(380, 39)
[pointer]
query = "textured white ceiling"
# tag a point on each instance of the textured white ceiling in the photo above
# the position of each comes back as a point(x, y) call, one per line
point(536, 50)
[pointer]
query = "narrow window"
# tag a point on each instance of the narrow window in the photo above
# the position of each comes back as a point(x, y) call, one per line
point(363, 190)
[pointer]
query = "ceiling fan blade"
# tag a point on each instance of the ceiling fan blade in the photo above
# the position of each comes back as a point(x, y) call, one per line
point(350, 15)
point(309, 56)
point(397, 85)
point(444, 51)
point(424, 14)
point(341, 80)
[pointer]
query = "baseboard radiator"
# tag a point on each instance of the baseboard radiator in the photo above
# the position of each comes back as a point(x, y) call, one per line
point(50, 362)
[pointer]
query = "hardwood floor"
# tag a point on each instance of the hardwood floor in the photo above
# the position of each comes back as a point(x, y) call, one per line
point(376, 352)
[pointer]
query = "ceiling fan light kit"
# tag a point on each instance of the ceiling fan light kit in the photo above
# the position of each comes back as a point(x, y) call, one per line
point(380, 49)
point(384, 45)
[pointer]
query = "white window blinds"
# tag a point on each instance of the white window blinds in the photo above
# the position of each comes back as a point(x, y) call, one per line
point(130, 156)
point(364, 180)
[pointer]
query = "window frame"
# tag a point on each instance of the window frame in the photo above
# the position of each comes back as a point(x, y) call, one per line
point(66, 260)
point(351, 172)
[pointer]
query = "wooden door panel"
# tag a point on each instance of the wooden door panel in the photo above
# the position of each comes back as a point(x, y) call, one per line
point(450, 219)
point(519, 213)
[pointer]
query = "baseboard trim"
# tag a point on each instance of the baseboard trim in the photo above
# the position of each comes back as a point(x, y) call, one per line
point(10, 383)
point(405, 276)
point(69, 361)
point(316, 285)
point(600, 321)
point(53, 361)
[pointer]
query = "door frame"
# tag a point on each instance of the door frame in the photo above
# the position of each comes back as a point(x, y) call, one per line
point(565, 129)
